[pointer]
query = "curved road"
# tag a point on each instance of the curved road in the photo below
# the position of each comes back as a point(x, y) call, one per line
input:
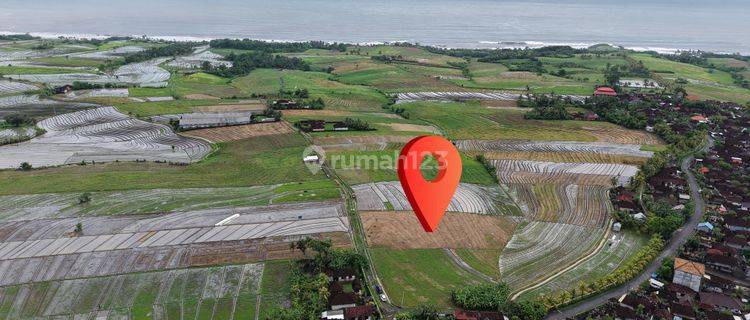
point(677, 240)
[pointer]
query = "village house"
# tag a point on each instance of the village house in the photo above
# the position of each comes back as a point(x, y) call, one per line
point(678, 292)
point(342, 300)
point(683, 311)
point(343, 275)
point(719, 302)
point(285, 104)
point(605, 91)
point(721, 262)
point(706, 227)
point(688, 273)
point(340, 126)
point(699, 119)
point(737, 224)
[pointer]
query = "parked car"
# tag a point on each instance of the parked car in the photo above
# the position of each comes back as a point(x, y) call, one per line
point(383, 297)
point(378, 289)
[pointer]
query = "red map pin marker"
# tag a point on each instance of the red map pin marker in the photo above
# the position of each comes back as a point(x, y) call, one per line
point(429, 199)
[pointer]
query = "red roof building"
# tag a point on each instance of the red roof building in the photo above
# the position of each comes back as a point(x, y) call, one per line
point(605, 91)
point(699, 118)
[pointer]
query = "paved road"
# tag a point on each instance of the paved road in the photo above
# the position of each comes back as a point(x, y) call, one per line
point(677, 240)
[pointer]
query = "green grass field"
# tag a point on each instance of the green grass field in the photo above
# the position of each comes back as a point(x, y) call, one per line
point(336, 95)
point(257, 161)
point(16, 70)
point(472, 121)
point(198, 293)
point(419, 276)
point(181, 85)
point(168, 200)
point(409, 53)
point(672, 69)
point(147, 109)
point(397, 77)
point(496, 76)
point(483, 260)
point(69, 62)
point(275, 285)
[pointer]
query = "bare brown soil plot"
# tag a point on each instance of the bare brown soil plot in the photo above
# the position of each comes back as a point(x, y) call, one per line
point(410, 127)
point(233, 107)
point(201, 96)
point(402, 230)
point(233, 133)
point(582, 157)
point(499, 104)
point(316, 113)
point(360, 142)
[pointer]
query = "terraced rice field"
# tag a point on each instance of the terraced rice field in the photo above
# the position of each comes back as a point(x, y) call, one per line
point(555, 146)
point(407, 127)
point(117, 93)
point(102, 135)
point(401, 230)
point(576, 157)
point(380, 142)
point(584, 205)
point(232, 133)
point(506, 170)
point(13, 135)
point(37, 108)
point(468, 198)
point(539, 249)
point(145, 74)
point(227, 292)
point(12, 87)
point(61, 205)
point(109, 54)
point(196, 60)
point(617, 249)
point(465, 96)
point(47, 249)
point(619, 135)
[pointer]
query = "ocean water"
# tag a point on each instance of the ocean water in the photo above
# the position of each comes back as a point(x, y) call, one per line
point(663, 25)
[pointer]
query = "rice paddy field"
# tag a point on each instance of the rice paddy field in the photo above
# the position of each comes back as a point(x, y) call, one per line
point(702, 82)
point(261, 160)
point(129, 202)
point(538, 249)
point(615, 251)
point(414, 277)
point(472, 121)
point(102, 135)
point(225, 292)
point(152, 244)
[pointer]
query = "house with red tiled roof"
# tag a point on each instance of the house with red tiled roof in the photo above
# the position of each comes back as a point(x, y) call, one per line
point(688, 273)
point(699, 118)
point(605, 91)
